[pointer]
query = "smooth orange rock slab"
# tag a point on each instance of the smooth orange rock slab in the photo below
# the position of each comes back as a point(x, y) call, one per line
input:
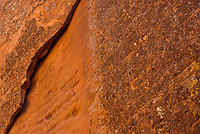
point(61, 98)
point(27, 29)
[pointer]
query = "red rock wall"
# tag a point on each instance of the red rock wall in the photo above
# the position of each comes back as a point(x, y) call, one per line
point(123, 66)
point(148, 56)
point(61, 98)
point(27, 30)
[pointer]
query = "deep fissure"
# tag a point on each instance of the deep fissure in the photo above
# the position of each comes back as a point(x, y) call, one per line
point(39, 57)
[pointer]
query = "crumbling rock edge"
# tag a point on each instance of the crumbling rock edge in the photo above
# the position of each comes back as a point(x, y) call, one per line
point(40, 54)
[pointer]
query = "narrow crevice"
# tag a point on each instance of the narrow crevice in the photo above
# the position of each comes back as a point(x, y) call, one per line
point(40, 55)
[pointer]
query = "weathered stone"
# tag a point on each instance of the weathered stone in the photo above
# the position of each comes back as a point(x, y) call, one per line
point(135, 70)
point(147, 64)
point(61, 98)
point(27, 30)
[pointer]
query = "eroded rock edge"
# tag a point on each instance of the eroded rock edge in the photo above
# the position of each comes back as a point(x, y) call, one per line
point(42, 51)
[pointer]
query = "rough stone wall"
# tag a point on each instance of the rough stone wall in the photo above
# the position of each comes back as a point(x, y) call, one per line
point(123, 66)
point(27, 29)
point(147, 61)
point(61, 97)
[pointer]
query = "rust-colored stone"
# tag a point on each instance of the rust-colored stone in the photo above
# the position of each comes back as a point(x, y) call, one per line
point(27, 30)
point(147, 64)
point(140, 58)
point(61, 98)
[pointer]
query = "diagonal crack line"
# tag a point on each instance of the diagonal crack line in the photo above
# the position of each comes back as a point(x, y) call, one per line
point(39, 54)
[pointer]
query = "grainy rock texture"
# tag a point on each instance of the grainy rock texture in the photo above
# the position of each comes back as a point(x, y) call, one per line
point(122, 66)
point(148, 64)
point(61, 98)
point(27, 29)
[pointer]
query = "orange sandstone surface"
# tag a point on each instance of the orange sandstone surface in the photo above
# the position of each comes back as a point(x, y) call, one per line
point(27, 29)
point(61, 97)
point(120, 67)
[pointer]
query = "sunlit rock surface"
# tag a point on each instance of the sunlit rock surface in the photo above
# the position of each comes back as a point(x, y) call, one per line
point(26, 30)
point(61, 98)
point(123, 66)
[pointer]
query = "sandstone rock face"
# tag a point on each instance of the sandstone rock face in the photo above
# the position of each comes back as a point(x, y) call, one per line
point(123, 66)
point(61, 98)
point(147, 55)
point(27, 29)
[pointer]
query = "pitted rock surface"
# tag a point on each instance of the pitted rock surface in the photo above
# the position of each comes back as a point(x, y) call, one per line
point(147, 64)
point(27, 30)
point(139, 71)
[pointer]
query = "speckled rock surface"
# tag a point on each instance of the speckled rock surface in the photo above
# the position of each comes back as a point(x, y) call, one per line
point(140, 58)
point(27, 29)
point(148, 64)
